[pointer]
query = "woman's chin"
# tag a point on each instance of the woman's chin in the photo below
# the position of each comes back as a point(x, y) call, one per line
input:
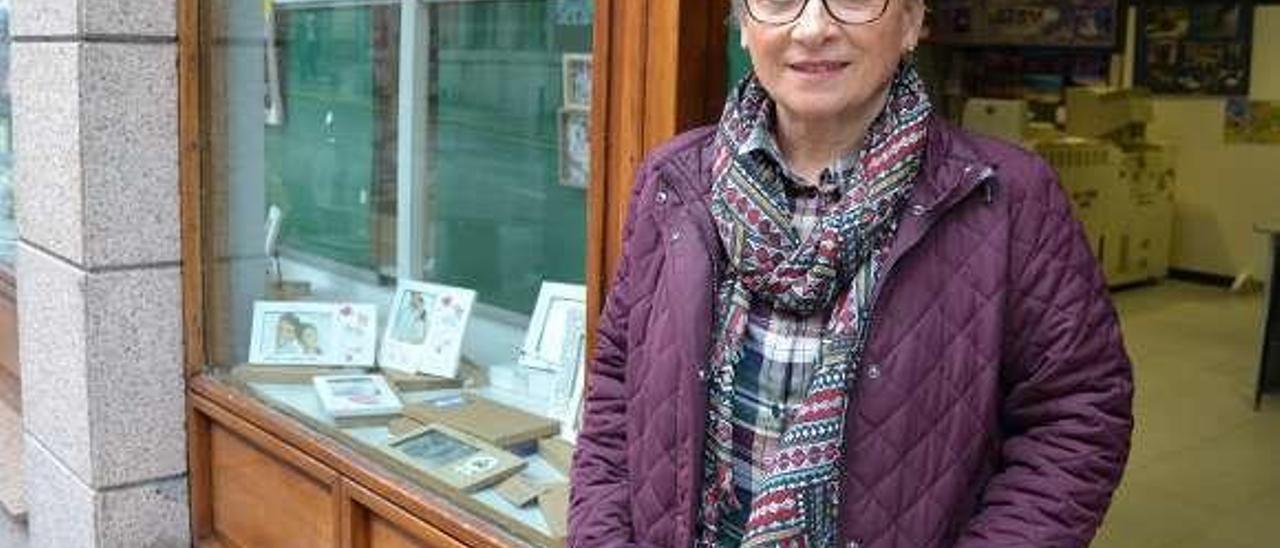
point(817, 107)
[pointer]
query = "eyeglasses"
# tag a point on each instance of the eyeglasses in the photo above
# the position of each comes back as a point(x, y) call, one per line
point(785, 12)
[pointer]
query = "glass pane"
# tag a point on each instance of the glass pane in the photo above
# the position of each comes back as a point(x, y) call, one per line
point(8, 226)
point(332, 167)
point(503, 226)
point(397, 188)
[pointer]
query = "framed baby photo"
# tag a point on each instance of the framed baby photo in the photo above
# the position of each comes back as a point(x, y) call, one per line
point(577, 80)
point(317, 334)
point(356, 395)
point(575, 147)
point(425, 328)
point(460, 461)
point(556, 344)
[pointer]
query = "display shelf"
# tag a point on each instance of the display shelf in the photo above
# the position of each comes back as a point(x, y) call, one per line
point(294, 395)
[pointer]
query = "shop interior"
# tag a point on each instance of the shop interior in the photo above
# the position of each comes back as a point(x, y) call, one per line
point(1163, 134)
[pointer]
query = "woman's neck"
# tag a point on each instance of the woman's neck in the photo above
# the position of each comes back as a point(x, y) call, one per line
point(810, 144)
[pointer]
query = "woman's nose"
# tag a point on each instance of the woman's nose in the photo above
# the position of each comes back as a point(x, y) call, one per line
point(814, 22)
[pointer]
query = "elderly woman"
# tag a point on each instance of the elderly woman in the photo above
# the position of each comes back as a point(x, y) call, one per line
point(840, 321)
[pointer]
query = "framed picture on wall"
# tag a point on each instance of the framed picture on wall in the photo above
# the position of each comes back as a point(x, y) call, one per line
point(324, 334)
point(425, 327)
point(577, 80)
point(575, 147)
point(1194, 48)
point(1034, 23)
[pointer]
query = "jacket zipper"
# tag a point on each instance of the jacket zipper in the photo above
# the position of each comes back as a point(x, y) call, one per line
point(986, 179)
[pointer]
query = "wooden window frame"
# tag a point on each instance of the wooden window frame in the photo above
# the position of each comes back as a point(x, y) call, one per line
point(10, 368)
point(660, 70)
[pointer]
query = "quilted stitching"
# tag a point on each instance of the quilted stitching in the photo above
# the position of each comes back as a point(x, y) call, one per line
point(1003, 383)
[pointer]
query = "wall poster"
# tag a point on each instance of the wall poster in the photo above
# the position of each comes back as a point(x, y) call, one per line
point(1252, 122)
point(1194, 48)
point(1044, 23)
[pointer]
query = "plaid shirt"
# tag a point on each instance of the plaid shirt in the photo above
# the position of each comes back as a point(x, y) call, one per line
point(780, 348)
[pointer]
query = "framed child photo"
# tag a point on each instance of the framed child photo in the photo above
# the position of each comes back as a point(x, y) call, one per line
point(357, 395)
point(316, 334)
point(575, 147)
point(425, 328)
point(577, 80)
point(460, 461)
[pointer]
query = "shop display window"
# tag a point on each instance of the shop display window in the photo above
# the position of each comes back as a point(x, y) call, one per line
point(394, 209)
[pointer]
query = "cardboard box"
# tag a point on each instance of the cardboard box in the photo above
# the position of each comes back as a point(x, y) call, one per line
point(486, 419)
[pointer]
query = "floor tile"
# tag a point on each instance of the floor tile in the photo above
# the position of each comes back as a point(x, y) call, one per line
point(1205, 467)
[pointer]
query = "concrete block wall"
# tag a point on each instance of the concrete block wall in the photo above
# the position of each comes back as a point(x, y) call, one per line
point(95, 110)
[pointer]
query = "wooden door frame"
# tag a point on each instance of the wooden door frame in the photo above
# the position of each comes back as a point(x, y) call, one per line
point(660, 69)
point(10, 367)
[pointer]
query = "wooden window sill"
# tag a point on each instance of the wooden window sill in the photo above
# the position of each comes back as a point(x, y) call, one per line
point(232, 409)
point(12, 500)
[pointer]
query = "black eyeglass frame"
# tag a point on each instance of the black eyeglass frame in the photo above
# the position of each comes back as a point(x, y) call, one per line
point(746, 5)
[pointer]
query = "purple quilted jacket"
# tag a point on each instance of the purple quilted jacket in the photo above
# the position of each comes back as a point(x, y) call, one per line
point(995, 406)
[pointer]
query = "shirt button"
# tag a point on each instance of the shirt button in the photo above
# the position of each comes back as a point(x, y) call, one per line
point(661, 198)
point(854, 544)
point(675, 236)
point(873, 371)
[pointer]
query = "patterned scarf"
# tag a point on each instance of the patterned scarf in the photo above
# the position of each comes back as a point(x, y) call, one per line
point(798, 503)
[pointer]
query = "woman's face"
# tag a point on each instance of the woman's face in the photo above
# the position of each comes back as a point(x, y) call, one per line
point(310, 337)
point(285, 333)
point(817, 67)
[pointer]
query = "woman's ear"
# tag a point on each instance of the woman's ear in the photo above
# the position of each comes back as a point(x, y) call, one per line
point(913, 23)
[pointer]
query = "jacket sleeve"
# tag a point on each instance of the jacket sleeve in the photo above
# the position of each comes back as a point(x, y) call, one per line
point(600, 506)
point(1066, 417)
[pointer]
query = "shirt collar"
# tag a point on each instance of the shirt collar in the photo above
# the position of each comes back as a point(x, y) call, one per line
point(761, 141)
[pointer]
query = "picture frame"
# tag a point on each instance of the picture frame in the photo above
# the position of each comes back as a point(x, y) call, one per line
point(496, 423)
point(558, 318)
point(1201, 48)
point(357, 395)
point(575, 147)
point(452, 458)
point(576, 74)
point(556, 343)
point(314, 334)
point(577, 13)
point(1076, 24)
point(425, 328)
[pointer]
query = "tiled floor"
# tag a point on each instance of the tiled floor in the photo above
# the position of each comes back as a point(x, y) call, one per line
point(1205, 468)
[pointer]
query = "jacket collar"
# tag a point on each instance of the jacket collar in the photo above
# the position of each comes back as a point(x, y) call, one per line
point(953, 167)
